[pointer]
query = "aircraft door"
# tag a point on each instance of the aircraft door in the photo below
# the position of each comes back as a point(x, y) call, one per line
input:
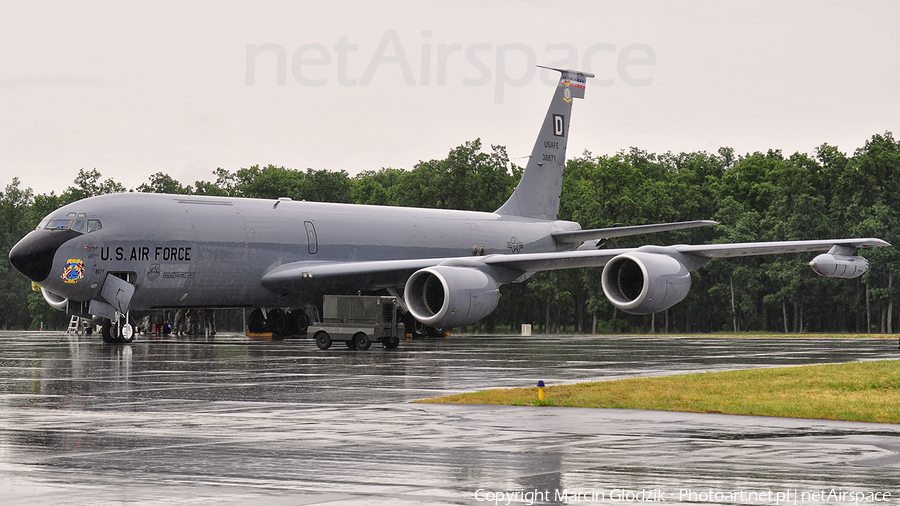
point(313, 241)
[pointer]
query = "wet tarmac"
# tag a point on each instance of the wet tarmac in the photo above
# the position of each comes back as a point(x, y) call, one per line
point(233, 420)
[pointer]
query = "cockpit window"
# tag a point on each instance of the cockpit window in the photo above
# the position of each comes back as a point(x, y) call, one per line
point(77, 225)
point(59, 224)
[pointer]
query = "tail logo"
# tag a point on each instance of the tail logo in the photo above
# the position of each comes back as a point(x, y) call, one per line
point(559, 125)
point(567, 93)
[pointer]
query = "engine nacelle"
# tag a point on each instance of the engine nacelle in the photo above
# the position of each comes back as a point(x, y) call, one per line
point(839, 266)
point(54, 300)
point(645, 283)
point(445, 296)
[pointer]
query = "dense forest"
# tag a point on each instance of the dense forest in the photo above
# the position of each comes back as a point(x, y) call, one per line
point(755, 197)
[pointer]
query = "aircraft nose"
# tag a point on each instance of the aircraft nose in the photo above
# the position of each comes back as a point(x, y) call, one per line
point(33, 255)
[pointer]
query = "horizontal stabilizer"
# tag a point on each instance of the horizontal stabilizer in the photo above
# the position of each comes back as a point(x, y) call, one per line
point(573, 80)
point(579, 236)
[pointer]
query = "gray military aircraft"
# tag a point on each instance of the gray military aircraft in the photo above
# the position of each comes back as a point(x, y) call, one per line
point(104, 256)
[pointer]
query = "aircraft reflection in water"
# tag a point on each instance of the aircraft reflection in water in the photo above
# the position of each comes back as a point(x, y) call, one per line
point(107, 255)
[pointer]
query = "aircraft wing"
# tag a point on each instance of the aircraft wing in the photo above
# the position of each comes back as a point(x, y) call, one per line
point(369, 274)
point(599, 258)
point(579, 236)
point(507, 267)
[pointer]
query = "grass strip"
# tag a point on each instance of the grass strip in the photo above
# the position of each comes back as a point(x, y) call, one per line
point(860, 391)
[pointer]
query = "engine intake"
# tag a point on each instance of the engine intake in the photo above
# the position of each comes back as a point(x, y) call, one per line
point(645, 283)
point(445, 296)
point(54, 300)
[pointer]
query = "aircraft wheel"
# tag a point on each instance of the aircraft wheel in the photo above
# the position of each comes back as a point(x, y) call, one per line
point(301, 321)
point(277, 322)
point(126, 334)
point(361, 340)
point(106, 331)
point(256, 322)
point(391, 343)
point(414, 327)
point(435, 331)
point(323, 340)
point(119, 332)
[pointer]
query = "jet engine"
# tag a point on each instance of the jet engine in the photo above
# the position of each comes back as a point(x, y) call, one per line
point(445, 296)
point(645, 283)
point(839, 266)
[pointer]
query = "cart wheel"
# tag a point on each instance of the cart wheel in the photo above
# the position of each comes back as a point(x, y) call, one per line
point(351, 344)
point(361, 340)
point(391, 342)
point(323, 340)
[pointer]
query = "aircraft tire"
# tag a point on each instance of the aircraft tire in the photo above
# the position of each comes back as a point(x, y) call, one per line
point(300, 322)
point(277, 322)
point(361, 340)
point(256, 322)
point(126, 334)
point(323, 340)
point(106, 332)
point(414, 327)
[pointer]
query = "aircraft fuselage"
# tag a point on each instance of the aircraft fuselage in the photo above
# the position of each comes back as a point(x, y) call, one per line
point(197, 251)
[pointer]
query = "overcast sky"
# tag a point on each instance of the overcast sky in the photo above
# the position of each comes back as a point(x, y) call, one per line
point(135, 88)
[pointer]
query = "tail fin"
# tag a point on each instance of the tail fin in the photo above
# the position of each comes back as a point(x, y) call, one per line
point(537, 195)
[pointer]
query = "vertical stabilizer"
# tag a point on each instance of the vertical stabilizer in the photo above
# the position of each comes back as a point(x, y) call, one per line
point(537, 195)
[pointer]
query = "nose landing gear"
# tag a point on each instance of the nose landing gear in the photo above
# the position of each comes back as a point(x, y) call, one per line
point(118, 331)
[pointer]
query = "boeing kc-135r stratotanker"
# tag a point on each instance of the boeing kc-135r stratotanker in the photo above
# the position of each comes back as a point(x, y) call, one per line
point(105, 256)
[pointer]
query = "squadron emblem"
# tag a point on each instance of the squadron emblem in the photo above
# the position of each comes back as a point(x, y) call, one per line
point(74, 271)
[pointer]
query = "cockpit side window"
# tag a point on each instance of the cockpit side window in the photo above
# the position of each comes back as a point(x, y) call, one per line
point(93, 225)
point(78, 226)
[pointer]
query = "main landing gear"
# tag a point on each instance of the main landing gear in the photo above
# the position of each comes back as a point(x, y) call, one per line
point(278, 321)
point(418, 329)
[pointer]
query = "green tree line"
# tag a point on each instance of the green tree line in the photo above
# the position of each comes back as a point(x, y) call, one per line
point(756, 197)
